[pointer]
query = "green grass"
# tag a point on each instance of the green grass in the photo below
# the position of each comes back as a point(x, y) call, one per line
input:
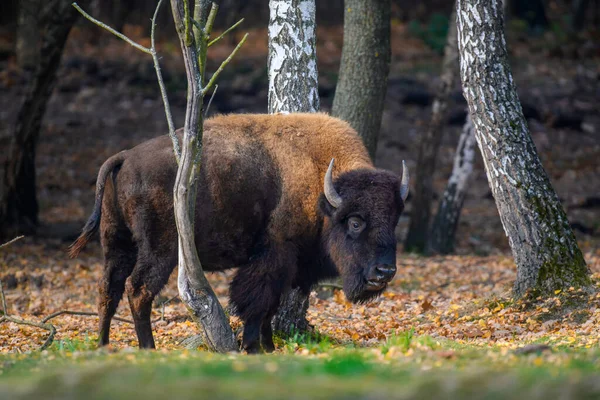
point(405, 366)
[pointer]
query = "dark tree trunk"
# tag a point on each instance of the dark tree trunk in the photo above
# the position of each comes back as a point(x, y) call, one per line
point(542, 241)
point(292, 54)
point(443, 230)
point(580, 8)
point(418, 230)
point(18, 206)
point(364, 68)
point(531, 11)
point(28, 35)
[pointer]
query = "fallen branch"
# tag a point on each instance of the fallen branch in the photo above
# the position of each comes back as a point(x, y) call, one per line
point(7, 318)
point(48, 327)
point(85, 313)
point(11, 241)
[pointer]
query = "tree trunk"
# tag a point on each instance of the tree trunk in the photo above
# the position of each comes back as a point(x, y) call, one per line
point(28, 34)
point(580, 8)
point(18, 206)
point(531, 11)
point(293, 87)
point(364, 68)
point(543, 244)
point(293, 77)
point(194, 289)
point(443, 230)
point(418, 230)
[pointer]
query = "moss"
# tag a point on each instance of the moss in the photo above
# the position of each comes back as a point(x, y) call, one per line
point(561, 269)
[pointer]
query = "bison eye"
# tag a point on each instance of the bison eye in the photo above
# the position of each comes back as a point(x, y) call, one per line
point(355, 225)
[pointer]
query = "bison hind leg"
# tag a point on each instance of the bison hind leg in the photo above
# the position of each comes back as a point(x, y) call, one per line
point(150, 275)
point(256, 292)
point(119, 259)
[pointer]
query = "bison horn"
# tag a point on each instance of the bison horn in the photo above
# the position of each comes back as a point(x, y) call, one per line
point(404, 183)
point(330, 194)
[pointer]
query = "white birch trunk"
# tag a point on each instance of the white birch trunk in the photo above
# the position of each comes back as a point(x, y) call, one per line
point(542, 241)
point(443, 231)
point(293, 76)
point(293, 87)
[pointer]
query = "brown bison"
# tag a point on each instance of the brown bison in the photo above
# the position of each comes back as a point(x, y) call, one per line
point(270, 203)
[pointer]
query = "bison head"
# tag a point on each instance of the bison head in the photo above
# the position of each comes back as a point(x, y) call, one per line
point(361, 210)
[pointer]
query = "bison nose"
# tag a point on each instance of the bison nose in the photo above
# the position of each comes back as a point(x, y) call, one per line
point(385, 272)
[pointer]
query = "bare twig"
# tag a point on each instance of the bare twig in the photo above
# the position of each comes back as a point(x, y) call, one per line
point(189, 37)
point(162, 305)
point(331, 285)
point(48, 327)
point(11, 241)
point(4, 309)
point(111, 30)
point(163, 90)
point(215, 76)
point(232, 27)
point(211, 19)
point(152, 52)
point(86, 313)
point(210, 101)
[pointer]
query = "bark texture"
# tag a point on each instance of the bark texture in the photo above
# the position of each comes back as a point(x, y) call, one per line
point(543, 244)
point(418, 230)
point(18, 205)
point(293, 87)
point(293, 76)
point(445, 224)
point(364, 68)
point(194, 289)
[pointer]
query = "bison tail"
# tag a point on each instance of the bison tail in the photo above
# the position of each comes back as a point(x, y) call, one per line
point(93, 222)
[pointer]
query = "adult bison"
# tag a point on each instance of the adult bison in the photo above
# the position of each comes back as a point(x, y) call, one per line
point(270, 203)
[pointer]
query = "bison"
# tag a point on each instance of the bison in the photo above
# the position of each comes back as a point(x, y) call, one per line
point(270, 203)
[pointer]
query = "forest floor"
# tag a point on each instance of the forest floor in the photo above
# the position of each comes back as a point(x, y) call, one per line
point(446, 324)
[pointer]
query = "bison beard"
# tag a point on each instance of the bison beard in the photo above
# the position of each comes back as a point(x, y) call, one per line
point(267, 204)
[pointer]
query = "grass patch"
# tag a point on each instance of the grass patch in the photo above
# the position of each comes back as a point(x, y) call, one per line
point(424, 368)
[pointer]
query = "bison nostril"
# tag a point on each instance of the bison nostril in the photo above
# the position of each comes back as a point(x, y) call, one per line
point(386, 271)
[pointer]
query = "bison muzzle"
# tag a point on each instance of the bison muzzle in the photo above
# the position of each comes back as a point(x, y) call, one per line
point(271, 203)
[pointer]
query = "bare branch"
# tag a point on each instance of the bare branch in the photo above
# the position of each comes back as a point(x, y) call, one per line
point(163, 90)
point(4, 309)
point(232, 27)
point(48, 327)
point(85, 313)
point(210, 101)
point(189, 36)
point(111, 30)
point(197, 26)
point(215, 76)
point(11, 241)
point(211, 19)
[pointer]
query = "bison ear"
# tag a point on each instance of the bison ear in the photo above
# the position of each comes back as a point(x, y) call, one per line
point(325, 207)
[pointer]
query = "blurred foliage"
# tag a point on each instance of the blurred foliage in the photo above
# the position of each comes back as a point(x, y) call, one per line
point(433, 32)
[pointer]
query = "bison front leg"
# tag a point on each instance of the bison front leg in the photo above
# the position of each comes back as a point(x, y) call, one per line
point(256, 293)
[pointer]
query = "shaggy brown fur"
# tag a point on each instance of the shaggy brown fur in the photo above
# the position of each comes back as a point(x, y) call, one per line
point(260, 209)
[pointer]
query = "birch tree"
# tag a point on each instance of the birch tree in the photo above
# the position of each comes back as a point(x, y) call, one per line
point(293, 76)
point(293, 87)
point(429, 145)
point(364, 68)
point(445, 224)
point(542, 242)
